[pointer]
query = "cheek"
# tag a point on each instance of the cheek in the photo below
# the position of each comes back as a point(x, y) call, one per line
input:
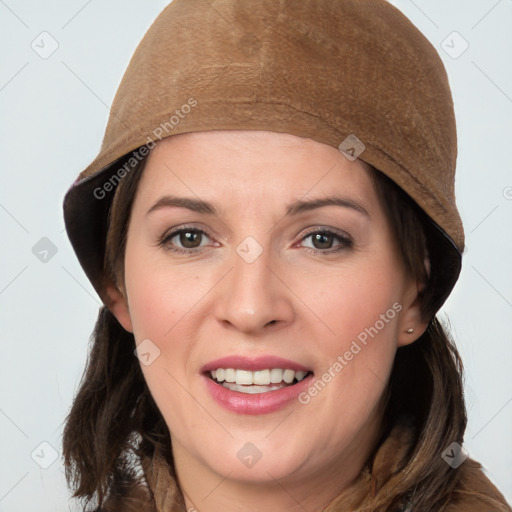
point(162, 302)
point(153, 307)
point(353, 302)
point(355, 340)
point(160, 312)
point(158, 296)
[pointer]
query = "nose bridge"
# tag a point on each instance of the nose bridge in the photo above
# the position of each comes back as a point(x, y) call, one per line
point(251, 296)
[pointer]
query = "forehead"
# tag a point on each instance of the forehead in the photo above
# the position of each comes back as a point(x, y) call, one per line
point(254, 166)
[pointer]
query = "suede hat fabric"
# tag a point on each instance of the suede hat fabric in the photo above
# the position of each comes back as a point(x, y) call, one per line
point(353, 74)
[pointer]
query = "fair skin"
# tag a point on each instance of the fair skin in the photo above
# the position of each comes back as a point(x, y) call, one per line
point(289, 302)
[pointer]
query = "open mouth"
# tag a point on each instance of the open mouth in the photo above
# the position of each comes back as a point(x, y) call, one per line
point(260, 381)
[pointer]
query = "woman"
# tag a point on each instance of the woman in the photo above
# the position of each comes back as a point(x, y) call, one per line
point(271, 225)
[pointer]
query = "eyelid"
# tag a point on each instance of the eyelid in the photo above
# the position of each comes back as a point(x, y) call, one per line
point(179, 229)
point(325, 229)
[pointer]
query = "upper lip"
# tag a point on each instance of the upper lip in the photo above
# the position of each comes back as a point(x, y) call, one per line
point(254, 363)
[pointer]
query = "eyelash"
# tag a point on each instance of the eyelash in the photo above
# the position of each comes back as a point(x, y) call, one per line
point(346, 242)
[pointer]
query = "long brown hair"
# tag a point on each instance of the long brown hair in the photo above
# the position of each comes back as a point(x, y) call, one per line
point(114, 422)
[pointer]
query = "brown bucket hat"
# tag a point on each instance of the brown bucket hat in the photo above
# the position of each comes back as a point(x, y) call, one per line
point(354, 74)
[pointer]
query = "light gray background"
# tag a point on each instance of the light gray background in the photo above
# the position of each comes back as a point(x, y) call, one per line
point(53, 113)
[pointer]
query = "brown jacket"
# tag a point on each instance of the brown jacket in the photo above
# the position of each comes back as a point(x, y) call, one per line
point(474, 492)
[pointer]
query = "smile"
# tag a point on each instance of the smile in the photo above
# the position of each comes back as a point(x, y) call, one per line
point(261, 381)
point(245, 384)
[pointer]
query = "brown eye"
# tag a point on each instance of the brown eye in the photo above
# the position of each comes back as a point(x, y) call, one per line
point(185, 240)
point(190, 239)
point(322, 240)
point(327, 241)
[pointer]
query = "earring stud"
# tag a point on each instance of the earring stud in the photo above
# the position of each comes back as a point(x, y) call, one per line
point(410, 331)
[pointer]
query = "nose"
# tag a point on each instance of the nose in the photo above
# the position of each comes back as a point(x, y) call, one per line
point(254, 295)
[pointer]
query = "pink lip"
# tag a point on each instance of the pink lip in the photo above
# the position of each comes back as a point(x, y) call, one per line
point(253, 364)
point(259, 403)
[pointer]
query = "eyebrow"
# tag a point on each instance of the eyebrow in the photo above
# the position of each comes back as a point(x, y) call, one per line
point(295, 208)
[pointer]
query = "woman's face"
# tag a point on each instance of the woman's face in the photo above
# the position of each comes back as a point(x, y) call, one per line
point(267, 259)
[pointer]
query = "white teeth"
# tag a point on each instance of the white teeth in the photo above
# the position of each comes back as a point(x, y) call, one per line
point(288, 376)
point(252, 390)
point(243, 377)
point(257, 378)
point(300, 375)
point(276, 375)
point(229, 375)
point(262, 377)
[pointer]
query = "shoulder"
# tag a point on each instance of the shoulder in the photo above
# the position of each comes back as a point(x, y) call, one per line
point(474, 492)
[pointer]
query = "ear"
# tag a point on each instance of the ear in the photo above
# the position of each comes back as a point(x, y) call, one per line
point(117, 304)
point(410, 316)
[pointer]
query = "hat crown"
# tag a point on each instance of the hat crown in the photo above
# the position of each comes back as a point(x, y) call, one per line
point(322, 69)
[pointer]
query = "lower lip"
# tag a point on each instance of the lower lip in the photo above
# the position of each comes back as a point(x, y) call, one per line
point(258, 403)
